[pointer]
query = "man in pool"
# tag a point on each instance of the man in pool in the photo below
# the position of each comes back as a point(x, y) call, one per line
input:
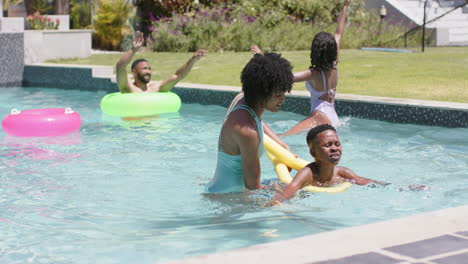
point(325, 147)
point(141, 71)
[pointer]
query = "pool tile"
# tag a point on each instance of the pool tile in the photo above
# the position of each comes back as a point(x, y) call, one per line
point(430, 247)
point(366, 258)
point(455, 259)
point(412, 113)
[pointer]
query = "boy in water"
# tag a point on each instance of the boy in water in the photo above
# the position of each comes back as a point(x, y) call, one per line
point(325, 147)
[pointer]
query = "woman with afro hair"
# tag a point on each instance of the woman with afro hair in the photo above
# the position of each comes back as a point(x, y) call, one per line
point(321, 79)
point(265, 80)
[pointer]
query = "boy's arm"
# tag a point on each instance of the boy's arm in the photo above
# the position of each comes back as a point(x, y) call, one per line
point(170, 82)
point(341, 23)
point(349, 174)
point(120, 68)
point(302, 178)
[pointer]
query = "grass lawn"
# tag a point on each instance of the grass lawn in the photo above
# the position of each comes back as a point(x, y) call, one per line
point(439, 74)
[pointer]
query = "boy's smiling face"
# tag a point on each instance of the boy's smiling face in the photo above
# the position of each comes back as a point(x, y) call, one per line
point(326, 147)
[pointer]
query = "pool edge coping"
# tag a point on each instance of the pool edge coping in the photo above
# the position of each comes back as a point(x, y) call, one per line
point(345, 242)
point(347, 97)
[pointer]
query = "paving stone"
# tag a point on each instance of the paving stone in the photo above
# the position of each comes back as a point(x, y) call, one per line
point(11, 51)
point(455, 259)
point(430, 247)
point(366, 258)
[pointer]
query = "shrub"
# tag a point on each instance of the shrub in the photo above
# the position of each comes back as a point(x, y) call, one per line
point(314, 11)
point(80, 14)
point(41, 6)
point(110, 24)
point(148, 10)
point(236, 27)
point(215, 29)
point(37, 21)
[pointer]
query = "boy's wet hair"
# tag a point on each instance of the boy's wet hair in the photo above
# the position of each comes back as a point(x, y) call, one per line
point(265, 75)
point(323, 52)
point(312, 134)
point(135, 63)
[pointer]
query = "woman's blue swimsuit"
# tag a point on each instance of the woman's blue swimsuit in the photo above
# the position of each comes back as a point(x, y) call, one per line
point(229, 176)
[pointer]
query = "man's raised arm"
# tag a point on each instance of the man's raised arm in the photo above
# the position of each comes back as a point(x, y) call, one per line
point(120, 69)
point(170, 82)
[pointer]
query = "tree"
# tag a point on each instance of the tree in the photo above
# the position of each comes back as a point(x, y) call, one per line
point(62, 7)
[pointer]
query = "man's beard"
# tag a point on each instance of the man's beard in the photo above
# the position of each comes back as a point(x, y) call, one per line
point(141, 78)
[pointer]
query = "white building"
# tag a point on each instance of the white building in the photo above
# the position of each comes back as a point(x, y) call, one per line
point(450, 29)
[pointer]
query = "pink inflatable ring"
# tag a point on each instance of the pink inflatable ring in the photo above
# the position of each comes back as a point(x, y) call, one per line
point(45, 122)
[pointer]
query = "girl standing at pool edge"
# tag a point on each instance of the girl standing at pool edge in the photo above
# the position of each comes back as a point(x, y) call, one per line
point(321, 79)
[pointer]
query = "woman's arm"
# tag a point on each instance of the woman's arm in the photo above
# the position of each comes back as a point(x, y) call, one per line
point(248, 145)
point(298, 76)
point(254, 49)
point(267, 130)
point(302, 75)
point(341, 24)
point(245, 135)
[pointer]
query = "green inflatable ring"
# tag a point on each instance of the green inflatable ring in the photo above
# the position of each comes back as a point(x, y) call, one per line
point(140, 104)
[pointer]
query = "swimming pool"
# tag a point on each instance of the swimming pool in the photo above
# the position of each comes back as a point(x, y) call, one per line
point(130, 192)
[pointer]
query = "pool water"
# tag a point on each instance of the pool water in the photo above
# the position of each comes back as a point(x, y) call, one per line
point(131, 191)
